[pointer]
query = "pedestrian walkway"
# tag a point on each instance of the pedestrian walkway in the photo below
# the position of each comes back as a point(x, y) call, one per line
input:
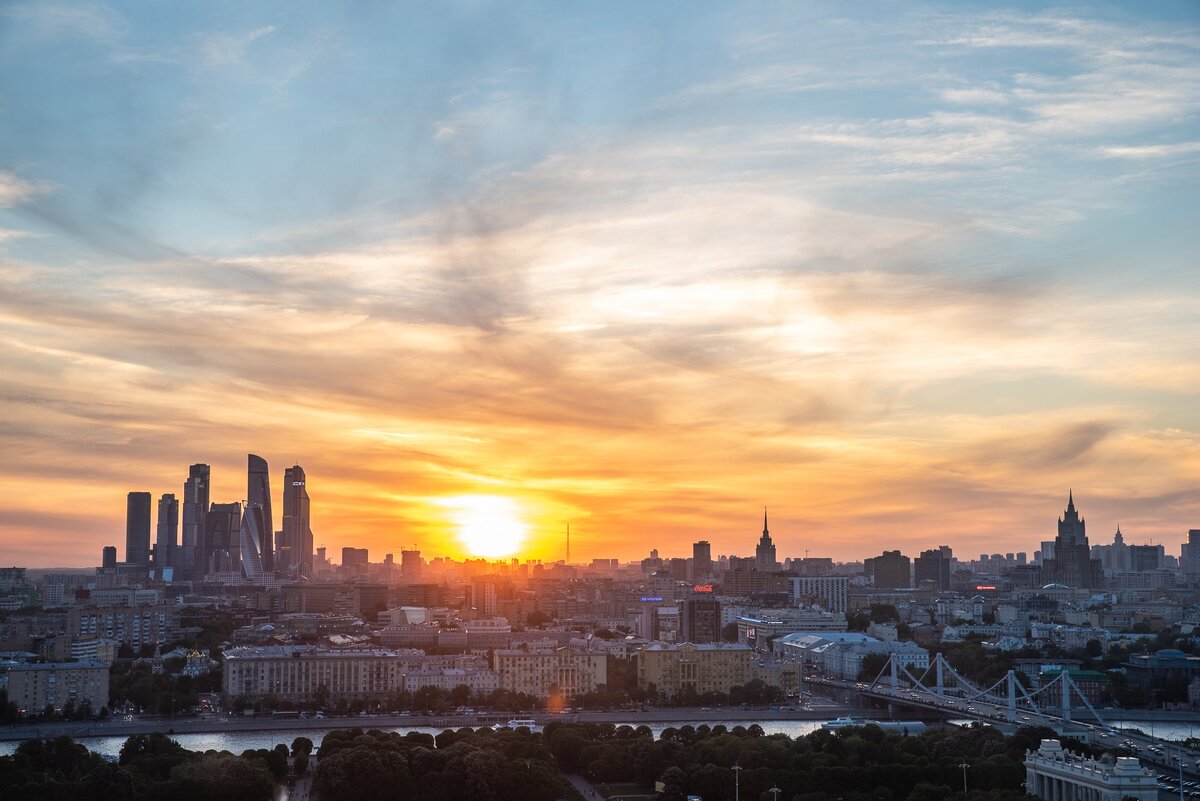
point(585, 788)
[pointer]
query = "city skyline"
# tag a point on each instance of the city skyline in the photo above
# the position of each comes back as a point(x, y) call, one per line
point(904, 275)
point(473, 533)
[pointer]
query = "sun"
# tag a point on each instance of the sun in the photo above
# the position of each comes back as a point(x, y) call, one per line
point(488, 525)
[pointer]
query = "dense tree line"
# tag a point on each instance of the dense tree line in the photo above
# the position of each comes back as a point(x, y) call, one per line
point(853, 764)
point(151, 767)
point(482, 764)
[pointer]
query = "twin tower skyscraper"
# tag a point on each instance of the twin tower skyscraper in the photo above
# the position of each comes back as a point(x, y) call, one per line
point(225, 540)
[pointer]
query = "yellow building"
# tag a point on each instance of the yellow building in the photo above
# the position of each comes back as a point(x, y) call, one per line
point(705, 668)
point(541, 673)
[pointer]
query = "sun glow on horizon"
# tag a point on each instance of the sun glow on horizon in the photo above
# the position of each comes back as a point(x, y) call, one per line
point(487, 525)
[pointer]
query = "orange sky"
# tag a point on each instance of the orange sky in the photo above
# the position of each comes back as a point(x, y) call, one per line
point(904, 282)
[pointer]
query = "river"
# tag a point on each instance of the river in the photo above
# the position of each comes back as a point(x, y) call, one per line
point(237, 742)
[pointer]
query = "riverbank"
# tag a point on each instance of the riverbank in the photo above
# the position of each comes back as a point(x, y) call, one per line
point(821, 710)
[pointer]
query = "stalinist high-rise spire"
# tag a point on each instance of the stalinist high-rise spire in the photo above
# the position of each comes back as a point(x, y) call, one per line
point(764, 554)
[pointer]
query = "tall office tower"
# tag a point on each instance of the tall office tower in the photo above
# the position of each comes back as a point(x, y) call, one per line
point(258, 494)
point(934, 565)
point(193, 550)
point(254, 541)
point(1073, 564)
point(165, 547)
point(296, 542)
point(701, 620)
point(222, 539)
point(891, 569)
point(701, 560)
point(1189, 553)
point(137, 528)
point(109, 559)
point(410, 565)
point(764, 553)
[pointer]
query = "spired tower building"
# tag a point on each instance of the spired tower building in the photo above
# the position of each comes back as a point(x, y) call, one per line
point(764, 554)
point(1073, 564)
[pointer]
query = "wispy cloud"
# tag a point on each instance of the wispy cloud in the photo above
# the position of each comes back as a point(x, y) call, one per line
point(15, 190)
point(1151, 151)
point(225, 49)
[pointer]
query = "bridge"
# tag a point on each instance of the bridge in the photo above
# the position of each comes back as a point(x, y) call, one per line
point(1059, 704)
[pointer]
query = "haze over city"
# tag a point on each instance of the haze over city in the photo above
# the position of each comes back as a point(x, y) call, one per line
point(905, 279)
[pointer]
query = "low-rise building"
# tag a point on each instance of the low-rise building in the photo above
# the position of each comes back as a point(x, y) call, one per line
point(703, 668)
point(544, 673)
point(477, 681)
point(845, 660)
point(306, 674)
point(1168, 671)
point(34, 687)
point(1053, 774)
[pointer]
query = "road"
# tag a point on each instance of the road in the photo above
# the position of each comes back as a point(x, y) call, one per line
point(584, 787)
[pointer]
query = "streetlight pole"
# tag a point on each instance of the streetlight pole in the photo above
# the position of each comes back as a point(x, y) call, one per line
point(775, 792)
point(1180, 758)
point(737, 791)
point(964, 767)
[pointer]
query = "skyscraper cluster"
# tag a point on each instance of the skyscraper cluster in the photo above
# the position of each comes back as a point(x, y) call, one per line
point(231, 539)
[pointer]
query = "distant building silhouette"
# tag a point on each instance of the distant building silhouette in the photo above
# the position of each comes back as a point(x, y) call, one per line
point(1189, 553)
point(702, 566)
point(193, 550)
point(764, 553)
point(1073, 564)
point(355, 560)
point(934, 565)
point(891, 569)
point(137, 528)
point(168, 531)
point(108, 560)
point(410, 565)
point(296, 541)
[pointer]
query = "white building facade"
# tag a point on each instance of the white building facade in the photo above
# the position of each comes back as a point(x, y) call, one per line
point(1053, 774)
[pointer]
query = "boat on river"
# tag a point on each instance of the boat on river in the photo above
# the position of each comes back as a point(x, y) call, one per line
point(898, 726)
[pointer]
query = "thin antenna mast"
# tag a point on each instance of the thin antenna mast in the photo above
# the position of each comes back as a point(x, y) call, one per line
point(568, 543)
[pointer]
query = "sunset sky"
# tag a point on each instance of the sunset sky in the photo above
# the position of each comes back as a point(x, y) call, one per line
point(904, 277)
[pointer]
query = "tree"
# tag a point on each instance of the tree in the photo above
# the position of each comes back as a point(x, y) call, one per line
point(537, 619)
point(222, 777)
point(362, 773)
point(872, 665)
point(674, 782)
